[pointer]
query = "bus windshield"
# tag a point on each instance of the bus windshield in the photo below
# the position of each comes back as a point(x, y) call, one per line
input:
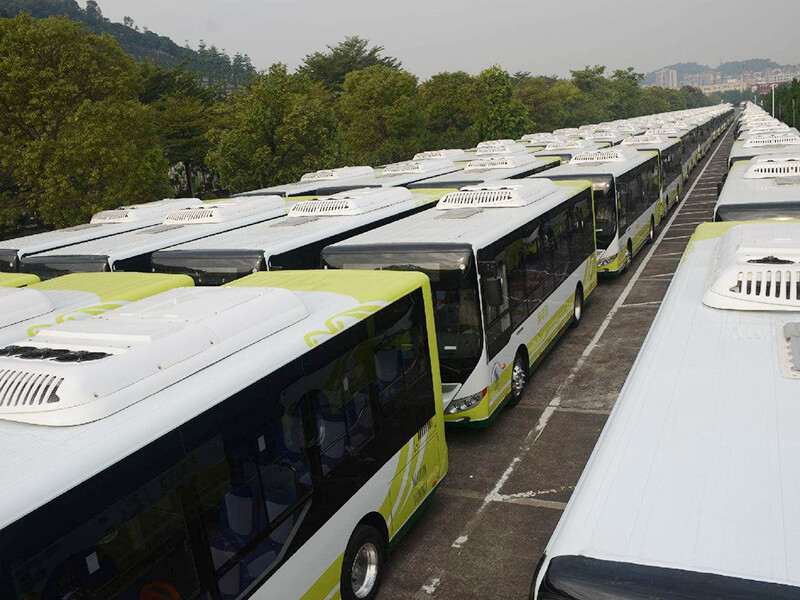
point(454, 287)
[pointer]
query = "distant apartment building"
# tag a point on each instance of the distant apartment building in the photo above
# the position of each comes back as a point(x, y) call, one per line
point(732, 85)
point(667, 78)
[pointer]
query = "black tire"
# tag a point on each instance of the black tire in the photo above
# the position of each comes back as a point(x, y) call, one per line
point(651, 236)
point(577, 307)
point(367, 547)
point(519, 378)
point(628, 256)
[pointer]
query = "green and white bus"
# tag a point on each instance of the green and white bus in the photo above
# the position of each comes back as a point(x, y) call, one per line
point(510, 264)
point(627, 203)
point(269, 439)
point(670, 164)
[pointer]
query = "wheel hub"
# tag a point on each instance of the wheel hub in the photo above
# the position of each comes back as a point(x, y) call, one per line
point(364, 573)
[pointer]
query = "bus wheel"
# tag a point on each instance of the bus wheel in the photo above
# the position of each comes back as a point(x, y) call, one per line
point(362, 566)
point(628, 255)
point(519, 378)
point(577, 307)
point(652, 235)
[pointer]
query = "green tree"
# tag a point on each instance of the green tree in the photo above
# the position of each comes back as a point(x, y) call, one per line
point(626, 93)
point(353, 54)
point(59, 83)
point(451, 106)
point(380, 117)
point(278, 128)
point(502, 115)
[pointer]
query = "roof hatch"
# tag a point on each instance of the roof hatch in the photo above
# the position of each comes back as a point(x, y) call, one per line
point(224, 211)
point(337, 174)
point(756, 267)
point(510, 194)
point(83, 371)
point(615, 154)
point(150, 211)
point(353, 202)
point(531, 138)
point(649, 140)
point(451, 153)
point(499, 148)
point(21, 304)
point(772, 139)
point(418, 167)
point(568, 145)
point(511, 161)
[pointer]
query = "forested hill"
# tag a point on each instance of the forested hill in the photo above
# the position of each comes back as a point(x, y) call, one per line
point(214, 65)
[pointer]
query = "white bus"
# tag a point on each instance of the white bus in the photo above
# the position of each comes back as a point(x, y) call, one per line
point(692, 490)
point(102, 224)
point(670, 164)
point(294, 242)
point(627, 203)
point(765, 187)
point(25, 311)
point(510, 264)
point(565, 149)
point(763, 144)
point(131, 251)
point(267, 440)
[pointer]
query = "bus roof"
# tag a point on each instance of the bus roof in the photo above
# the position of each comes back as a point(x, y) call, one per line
point(611, 167)
point(658, 143)
point(473, 226)
point(366, 206)
point(105, 223)
point(472, 176)
point(178, 227)
point(406, 172)
point(697, 466)
point(37, 462)
point(746, 187)
point(15, 280)
point(25, 311)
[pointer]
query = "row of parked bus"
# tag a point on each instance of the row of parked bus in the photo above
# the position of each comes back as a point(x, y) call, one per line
point(692, 490)
point(247, 397)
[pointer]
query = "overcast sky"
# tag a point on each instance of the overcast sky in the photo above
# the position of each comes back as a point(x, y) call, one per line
point(429, 36)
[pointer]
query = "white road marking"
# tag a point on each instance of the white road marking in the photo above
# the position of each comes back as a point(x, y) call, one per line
point(460, 541)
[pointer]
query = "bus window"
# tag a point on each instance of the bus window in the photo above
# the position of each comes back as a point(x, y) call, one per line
point(605, 211)
point(539, 278)
point(110, 550)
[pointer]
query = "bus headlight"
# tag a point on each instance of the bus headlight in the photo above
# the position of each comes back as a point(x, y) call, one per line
point(606, 261)
point(461, 404)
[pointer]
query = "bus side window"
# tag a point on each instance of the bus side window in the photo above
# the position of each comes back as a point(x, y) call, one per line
point(116, 536)
point(250, 479)
point(399, 343)
point(538, 273)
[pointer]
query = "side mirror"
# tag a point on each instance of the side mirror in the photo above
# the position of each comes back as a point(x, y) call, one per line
point(493, 291)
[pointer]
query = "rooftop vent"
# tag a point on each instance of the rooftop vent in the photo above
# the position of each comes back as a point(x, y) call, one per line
point(567, 131)
point(509, 194)
point(414, 167)
point(601, 134)
point(756, 267)
point(450, 153)
point(224, 211)
point(772, 139)
point(645, 140)
point(512, 161)
point(663, 130)
point(615, 154)
point(532, 138)
point(21, 304)
point(568, 145)
point(500, 149)
point(772, 167)
point(151, 211)
point(789, 350)
point(337, 174)
point(82, 371)
point(354, 202)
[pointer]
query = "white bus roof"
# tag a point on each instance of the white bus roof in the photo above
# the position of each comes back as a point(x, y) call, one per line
point(177, 227)
point(470, 224)
point(488, 169)
point(26, 311)
point(312, 220)
point(406, 172)
point(105, 223)
point(651, 142)
point(747, 147)
point(610, 167)
point(314, 182)
point(697, 467)
point(39, 462)
point(766, 181)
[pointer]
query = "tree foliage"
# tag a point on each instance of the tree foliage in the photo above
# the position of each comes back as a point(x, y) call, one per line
point(353, 54)
point(502, 115)
point(69, 99)
point(279, 127)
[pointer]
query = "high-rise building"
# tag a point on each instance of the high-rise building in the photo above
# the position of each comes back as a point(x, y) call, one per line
point(667, 78)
